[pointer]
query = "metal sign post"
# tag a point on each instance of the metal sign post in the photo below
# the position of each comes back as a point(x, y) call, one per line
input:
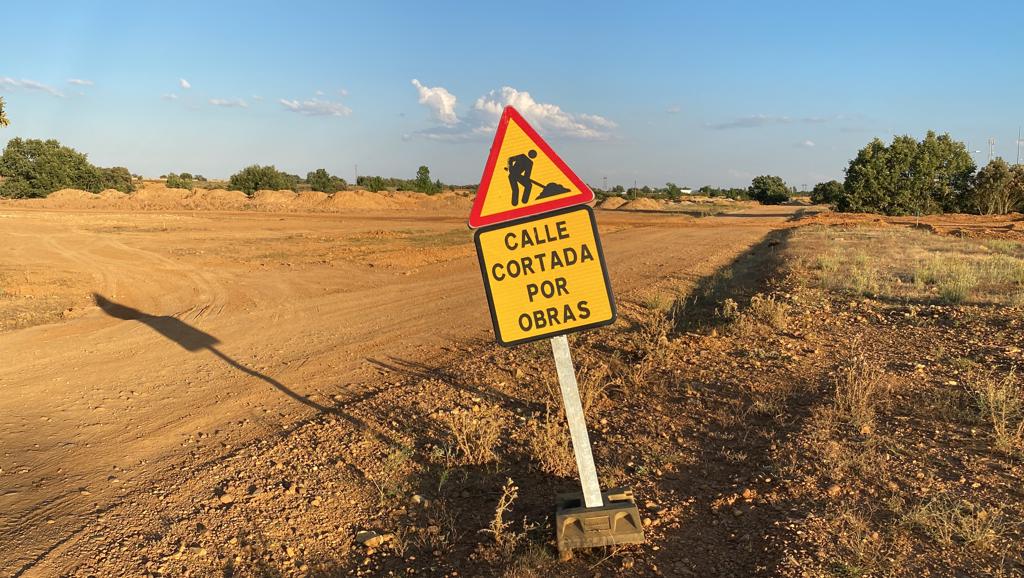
point(593, 518)
point(544, 275)
point(577, 422)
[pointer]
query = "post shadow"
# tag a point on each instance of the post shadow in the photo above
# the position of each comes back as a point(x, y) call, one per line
point(192, 339)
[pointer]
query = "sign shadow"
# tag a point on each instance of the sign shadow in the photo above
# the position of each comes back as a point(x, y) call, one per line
point(193, 340)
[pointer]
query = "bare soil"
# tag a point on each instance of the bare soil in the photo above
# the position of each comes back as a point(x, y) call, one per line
point(157, 360)
point(258, 393)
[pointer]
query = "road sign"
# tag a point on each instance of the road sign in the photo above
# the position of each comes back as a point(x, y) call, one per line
point(523, 177)
point(545, 276)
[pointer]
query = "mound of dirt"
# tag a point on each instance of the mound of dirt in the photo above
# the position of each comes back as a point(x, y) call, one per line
point(447, 200)
point(72, 195)
point(218, 199)
point(113, 195)
point(359, 200)
point(612, 203)
point(642, 205)
point(309, 198)
point(160, 196)
point(274, 197)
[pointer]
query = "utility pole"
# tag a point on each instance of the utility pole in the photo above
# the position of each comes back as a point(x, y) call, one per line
point(1018, 145)
point(356, 182)
point(605, 185)
point(991, 148)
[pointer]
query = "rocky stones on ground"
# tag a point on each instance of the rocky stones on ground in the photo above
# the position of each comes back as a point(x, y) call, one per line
point(373, 539)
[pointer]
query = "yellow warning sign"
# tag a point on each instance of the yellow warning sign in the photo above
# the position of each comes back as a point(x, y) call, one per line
point(545, 276)
point(523, 176)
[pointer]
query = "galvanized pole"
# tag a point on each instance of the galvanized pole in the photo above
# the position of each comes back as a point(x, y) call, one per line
point(577, 423)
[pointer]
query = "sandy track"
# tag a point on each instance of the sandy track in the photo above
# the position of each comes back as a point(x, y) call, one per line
point(240, 324)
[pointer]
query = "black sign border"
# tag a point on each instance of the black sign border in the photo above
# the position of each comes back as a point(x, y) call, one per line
point(487, 283)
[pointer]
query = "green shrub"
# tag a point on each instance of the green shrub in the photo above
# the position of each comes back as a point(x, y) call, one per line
point(321, 180)
point(769, 190)
point(182, 181)
point(254, 178)
point(36, 168)
point(827, 193)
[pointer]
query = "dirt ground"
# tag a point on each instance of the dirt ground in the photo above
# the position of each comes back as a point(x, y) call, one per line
point(147, 353)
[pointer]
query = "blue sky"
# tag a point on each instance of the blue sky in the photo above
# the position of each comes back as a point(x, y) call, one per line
point(710, 93)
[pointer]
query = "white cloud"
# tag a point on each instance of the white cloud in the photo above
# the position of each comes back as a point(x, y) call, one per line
point(342, 92)
point(80, 82)
point(319, 93)
point(184, 83)
point(229, 102)
point(439, 101)
point(674, 109)
point(807, 144)
point(8, 83)
point(170, 96)
point(548, 118)
point(482, 118)
point(316, 107)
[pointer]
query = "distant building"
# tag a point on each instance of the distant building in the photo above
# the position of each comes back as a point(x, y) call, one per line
point(686, 191)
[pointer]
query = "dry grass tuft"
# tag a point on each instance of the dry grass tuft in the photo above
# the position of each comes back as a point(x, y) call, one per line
point(769, 311)
point(593, 382)
point(476, 436)
point(948, 521)
point(549, 445)
point(1001, 404)
point(860, 387)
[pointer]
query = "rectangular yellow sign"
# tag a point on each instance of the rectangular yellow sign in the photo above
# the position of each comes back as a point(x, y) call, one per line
point(545, 276)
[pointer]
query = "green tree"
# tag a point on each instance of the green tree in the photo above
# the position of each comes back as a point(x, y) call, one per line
point(827, 193)
point(182, 181)
point(673, 191)
point(3, 115)
point(118, 178)
point(909, 177)
point(255, 177)
point(996, 188)
point(768, 190)
point(36, 168)
point(321, 180)
point(423, 184)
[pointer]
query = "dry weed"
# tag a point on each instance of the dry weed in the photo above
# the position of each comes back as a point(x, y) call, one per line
point(549, 445)
point(769, 311)
point(442, 533)
point(1001, 404)
point(729, 310)
point(947, 521)
point(506, 540)
point(476, 436)
point(592, 382)
point(860, 387)
point(390, 479)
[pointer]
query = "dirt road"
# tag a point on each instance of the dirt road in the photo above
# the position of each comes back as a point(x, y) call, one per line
point(132, 342)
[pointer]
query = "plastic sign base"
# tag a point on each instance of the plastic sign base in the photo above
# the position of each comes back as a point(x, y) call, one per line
point(616, 522)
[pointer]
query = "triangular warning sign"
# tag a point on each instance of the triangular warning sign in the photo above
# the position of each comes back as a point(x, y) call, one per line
point(523, 176)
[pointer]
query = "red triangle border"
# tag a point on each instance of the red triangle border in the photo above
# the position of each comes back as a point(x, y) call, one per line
point(476, 220)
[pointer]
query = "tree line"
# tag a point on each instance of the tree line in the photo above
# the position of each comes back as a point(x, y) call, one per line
point(934, 175)
point(36, 168)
